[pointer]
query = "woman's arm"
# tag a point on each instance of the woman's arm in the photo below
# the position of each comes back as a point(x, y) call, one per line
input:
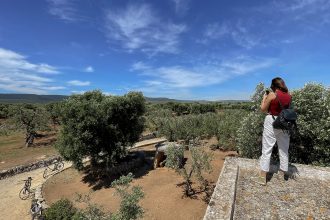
point(266, 101)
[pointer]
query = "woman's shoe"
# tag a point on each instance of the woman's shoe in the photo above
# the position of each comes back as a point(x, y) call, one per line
point(284, 175)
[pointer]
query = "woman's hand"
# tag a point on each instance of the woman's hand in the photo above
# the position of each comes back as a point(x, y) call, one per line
point(265, 96)
point(266, 101)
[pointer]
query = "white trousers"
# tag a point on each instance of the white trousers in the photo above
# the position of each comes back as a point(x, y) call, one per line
point(269, 138)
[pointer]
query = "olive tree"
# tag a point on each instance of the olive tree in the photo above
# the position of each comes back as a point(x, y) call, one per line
point(249, 133)
point(4, 111)
point(54, 111)
point(311, 144)
point(100, 127)
point(30, 118)
point(200, 163)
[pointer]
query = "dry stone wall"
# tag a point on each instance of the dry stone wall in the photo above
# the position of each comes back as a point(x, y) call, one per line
point(26, 168)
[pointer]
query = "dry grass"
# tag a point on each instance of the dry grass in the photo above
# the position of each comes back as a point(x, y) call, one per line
point(13, 151)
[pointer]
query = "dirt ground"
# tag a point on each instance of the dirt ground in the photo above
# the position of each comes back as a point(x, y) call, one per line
point(163, 194)
point(11, 206)
point(13, 151)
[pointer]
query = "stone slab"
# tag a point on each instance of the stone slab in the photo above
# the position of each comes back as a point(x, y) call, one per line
point(304, 196)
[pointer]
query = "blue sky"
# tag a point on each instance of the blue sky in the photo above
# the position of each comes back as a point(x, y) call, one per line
point(184, 49)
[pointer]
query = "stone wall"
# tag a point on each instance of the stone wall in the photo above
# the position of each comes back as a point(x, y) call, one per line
point(128, 166)
point(148, 136)
point(26, 168)
point(223, 202)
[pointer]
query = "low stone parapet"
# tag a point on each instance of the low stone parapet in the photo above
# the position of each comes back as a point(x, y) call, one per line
point(236, 196)
point(26, 168)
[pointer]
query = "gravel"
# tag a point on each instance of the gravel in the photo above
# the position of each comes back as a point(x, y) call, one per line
point(299, 198)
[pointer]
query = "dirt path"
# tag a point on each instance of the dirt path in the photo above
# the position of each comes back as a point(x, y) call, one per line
point(11, 206)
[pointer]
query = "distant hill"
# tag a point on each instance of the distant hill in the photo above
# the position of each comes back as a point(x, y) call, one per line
point(32, 98)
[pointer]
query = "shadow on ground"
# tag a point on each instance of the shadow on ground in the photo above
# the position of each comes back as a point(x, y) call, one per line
point(98, 179)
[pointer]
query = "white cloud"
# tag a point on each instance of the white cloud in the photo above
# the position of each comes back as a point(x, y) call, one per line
point(181, 6)
point(89, 69)
point(17, 74)
point(78, 92)
point(316, 12)
point(179, 77)
point(12, 61)
point(138, 28)
point(65, 10)
point(53, 88)
point(138, 66)
point(306, 5)
point(79, 83)
point(215, 30)
point(237, 32)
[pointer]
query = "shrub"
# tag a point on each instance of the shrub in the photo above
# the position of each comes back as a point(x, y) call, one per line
point(61, 210)
point(227, 127)
point(200, 163)
point(155, 117)
point(99, 126)
point(174, 155)
point(311, 145)
point(92, 211)
point(4, 110)
point(187, 127)
point(313, 107)
point(130, 197)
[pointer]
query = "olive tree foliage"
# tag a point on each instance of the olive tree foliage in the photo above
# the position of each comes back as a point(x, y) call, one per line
point(200, 163)
point(130, 197)
point(186, 127)
point(311, 144)
point(31, 118)
point(227, 126)
point(249, 134)
point(99, 126)
point(4, 110)
point(174, 154)
point(54, 111)
point(223, 125)
point(312, 104)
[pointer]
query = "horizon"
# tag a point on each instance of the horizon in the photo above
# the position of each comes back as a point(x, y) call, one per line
point(176, 49)
point(170, 99)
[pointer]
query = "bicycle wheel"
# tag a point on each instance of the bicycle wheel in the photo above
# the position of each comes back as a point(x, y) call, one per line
point(60, 166)
point(45, 174)
point(24, 193)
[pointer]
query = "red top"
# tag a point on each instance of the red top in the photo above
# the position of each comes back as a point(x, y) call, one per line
point(274, 107)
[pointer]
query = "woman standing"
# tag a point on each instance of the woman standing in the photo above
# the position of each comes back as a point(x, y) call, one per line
point(271, 105)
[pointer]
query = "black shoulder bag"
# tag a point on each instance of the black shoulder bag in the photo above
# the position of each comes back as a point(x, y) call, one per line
point(286, 119)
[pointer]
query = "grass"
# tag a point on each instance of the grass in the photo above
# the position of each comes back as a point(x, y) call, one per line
point(13, 151)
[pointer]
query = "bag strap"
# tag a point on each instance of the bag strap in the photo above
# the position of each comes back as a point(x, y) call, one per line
point(279, 101)
point(282, 108)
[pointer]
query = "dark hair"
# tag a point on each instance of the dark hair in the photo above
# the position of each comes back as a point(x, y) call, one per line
point(278, 83)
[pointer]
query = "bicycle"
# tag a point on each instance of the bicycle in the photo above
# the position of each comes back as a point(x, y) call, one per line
point(57, 166)
point(36, 210)
point(26, 191)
